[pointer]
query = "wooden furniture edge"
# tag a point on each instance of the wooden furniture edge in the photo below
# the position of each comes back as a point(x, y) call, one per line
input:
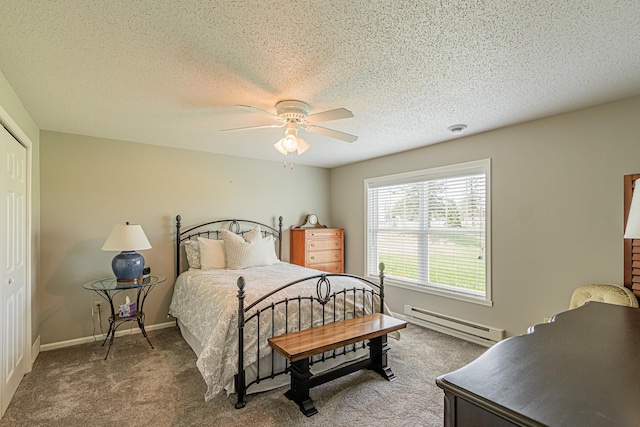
point(300, 346)
point(334, 335)
point(628, 243)
point(455, 392)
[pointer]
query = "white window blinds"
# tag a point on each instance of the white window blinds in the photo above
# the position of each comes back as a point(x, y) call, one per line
point(430, 228)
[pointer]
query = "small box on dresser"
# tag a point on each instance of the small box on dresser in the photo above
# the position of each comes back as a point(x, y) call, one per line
point(319, 248)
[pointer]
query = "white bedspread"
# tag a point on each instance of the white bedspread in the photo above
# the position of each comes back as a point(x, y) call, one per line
point(206, 303)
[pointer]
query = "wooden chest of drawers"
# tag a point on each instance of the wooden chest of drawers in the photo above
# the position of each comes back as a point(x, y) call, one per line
point(319, 248)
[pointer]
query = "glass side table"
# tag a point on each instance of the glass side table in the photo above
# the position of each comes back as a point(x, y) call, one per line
point(107, 288)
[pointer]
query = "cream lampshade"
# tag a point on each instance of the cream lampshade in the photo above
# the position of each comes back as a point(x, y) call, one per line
point(291, 141)
point(633, 221)
point(128, 238)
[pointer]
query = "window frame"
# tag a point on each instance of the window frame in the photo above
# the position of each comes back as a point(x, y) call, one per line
point(467, 168)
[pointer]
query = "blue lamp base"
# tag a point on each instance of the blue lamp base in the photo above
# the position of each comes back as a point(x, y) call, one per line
point(127, 266)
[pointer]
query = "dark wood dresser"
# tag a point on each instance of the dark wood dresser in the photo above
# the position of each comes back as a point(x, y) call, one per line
point(319, 248)
point(580, 370)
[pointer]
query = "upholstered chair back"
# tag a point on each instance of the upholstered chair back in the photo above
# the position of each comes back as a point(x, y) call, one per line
point(603, 292)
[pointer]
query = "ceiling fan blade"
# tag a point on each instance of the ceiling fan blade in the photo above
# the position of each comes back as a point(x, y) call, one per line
point(252, 127)
point(332, 133)
point(325, 116)
point(259, 110)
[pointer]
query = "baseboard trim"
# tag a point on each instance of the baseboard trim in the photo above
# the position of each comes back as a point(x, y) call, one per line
point(400, 316)
point(445, 331)
point(93, 338)
point(448, 331)
point(35, 350)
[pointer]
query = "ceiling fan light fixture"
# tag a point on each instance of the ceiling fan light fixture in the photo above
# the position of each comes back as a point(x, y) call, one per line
point(278, 146)
point(294, 115)
point(302, 146)
point(290, 143)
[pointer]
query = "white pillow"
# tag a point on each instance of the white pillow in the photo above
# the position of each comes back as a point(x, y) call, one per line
point(212, 254)
point(249, 250)
point(192, 249)
point(269, 250)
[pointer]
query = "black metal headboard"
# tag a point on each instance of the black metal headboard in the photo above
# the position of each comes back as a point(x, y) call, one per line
point(213, 230)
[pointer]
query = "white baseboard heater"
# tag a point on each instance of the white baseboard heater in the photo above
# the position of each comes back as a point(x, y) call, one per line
point(480, 334)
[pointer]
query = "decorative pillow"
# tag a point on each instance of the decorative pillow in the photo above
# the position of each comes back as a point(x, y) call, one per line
point(269, 250)
point(192, 249)
point(245, 251)
point(212, 254)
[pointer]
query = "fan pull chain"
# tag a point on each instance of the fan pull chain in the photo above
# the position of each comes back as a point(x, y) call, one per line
point(290, 163)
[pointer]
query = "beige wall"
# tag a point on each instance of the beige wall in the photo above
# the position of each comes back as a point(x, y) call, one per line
point(91, 184)
point(557, 210)
point(13, 107)
point(557, 200)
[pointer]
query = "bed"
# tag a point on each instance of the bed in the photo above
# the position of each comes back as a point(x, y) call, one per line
point(233, 292)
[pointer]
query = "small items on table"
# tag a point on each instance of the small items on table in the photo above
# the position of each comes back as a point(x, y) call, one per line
point(108, 288)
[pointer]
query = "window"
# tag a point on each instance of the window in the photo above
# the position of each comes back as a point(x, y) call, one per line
point(431, 229)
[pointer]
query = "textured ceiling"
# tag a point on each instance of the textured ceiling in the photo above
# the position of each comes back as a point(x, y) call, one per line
point(169, 72)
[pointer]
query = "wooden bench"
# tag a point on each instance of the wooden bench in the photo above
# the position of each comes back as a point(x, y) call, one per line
point(298, 347)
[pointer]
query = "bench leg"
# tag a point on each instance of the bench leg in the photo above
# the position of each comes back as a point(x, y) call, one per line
point(299, 391)
point(378, 349)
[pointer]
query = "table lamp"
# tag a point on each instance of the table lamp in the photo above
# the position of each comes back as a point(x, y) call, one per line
point(632, 230)
point(128, 264)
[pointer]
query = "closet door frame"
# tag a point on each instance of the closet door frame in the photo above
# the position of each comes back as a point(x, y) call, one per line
point(31, 350)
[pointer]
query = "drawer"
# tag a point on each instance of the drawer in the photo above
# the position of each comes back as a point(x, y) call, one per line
point(329, 267)
point(324, 244)
point(324, 257)
point(323, 234)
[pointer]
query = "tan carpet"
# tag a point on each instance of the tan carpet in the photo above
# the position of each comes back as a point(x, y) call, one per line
point(140, 386)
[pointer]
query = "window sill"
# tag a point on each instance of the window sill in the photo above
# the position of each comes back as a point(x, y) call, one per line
point(439, 292)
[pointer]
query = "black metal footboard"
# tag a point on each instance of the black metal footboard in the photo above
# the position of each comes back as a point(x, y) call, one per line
point(336, 301)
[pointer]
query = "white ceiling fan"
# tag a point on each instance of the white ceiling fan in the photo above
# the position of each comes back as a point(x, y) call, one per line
point(294, 115)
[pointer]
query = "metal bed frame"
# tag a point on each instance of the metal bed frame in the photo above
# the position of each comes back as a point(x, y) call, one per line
point(322, 296)
point(213, 230)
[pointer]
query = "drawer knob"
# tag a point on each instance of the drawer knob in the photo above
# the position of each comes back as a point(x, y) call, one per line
point(313, 257)
point(313, 245)
point(337, 256)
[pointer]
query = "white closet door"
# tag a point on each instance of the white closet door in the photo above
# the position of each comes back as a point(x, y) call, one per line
point(13, 184)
